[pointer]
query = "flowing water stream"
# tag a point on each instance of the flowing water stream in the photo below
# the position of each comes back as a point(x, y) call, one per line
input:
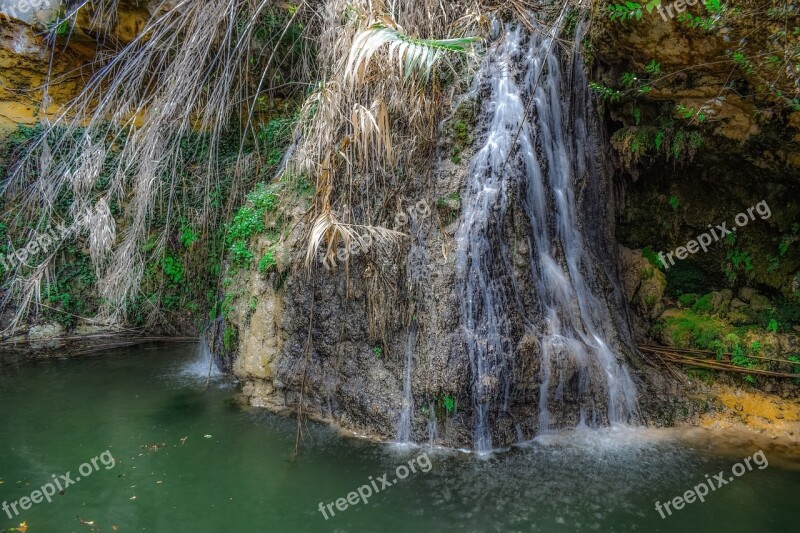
point(194, 459)
point(536, 140)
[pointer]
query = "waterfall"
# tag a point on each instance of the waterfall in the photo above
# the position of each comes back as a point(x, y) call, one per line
point(404, 426)
point(527, 150)
point(203, 365)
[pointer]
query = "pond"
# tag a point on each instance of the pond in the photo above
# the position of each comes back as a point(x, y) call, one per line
point(134, 441)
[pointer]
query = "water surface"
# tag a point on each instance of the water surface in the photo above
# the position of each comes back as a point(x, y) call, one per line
point(234, 471)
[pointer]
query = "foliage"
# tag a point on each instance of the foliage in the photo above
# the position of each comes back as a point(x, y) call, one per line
point(674, 202)
point(688, 300)
point(188, 236)
point(173, 269)
point(766, 58)
point(780, 318)
point(649, 254)
point(630, 10)
point(449, 403)
point(703, 305)
point(230, 338)
point(267, 262)
point(249, 221)
point(275, 136)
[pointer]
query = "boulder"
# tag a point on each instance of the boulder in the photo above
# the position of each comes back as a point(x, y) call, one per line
point(736, 303)
point(746, 293)
point(759, 302)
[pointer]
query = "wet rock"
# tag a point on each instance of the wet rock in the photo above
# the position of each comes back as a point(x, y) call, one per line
point(747, 293)
point(759, 303)
point(46, 331)
point(736, 303)
point(643, 283)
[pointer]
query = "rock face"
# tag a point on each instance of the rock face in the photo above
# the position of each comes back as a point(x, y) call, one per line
point(25, 55)
point(693, 152)
point(486, 326)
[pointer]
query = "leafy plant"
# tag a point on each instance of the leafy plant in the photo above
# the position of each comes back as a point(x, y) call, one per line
point(173, 269)
point(653, 67)
point(449, 403)
point(605, 93)
point(631, 10)
point(240, 253)
point(267, 262)
point(188, 236)
point(674, 202)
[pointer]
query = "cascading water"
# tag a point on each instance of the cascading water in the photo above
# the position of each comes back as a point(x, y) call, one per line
point(404, 427)
point(527, 149)
point(203, 365)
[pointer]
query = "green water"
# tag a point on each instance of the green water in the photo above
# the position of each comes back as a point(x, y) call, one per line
point(57, 415)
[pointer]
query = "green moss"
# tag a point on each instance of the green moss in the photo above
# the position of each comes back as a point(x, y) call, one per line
point(704, 304)
point(230, 338)
point(688, 300)
point(690, 330)
point(652, 257)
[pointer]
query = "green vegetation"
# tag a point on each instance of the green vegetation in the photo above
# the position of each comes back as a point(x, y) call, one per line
point(688, 300)
point(275, 136)
point(674, 202)
point(631, 10)
point(249, 221)
point(449, 403)
point(462, 140)
point(760, 58)
point(703, 305)
point(652, 257)
point(267, 262)
point(71, 294)
point(230, 339)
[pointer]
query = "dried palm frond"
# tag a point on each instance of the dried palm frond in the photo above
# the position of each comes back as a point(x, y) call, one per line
point(415, 57)
point(372, 140)
point(328, 231)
